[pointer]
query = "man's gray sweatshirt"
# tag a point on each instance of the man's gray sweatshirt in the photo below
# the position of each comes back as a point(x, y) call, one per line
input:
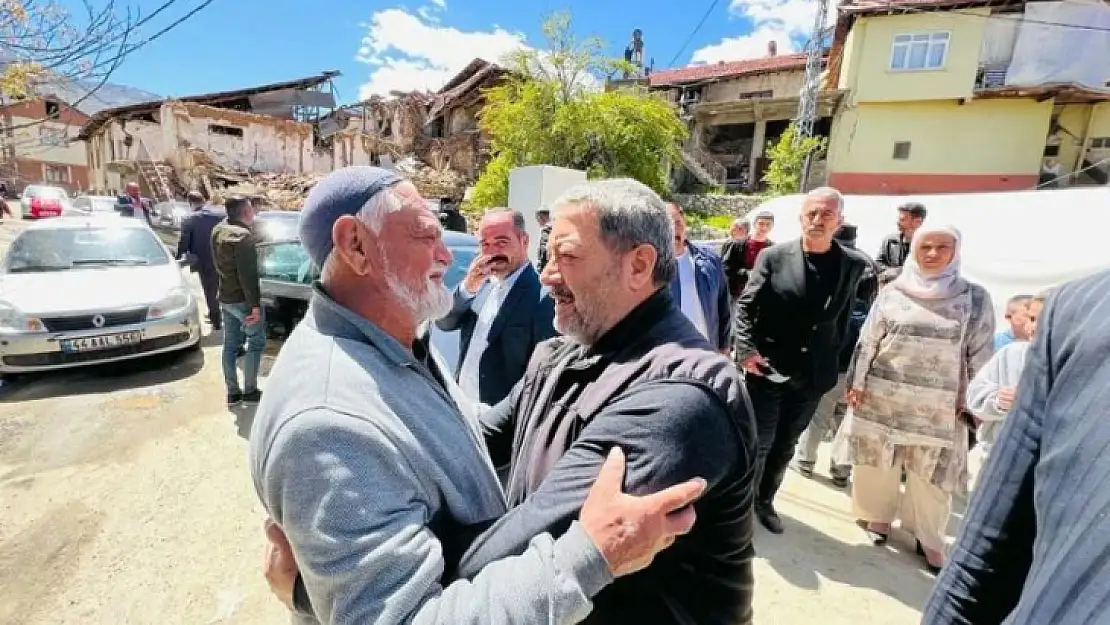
point(365, 462)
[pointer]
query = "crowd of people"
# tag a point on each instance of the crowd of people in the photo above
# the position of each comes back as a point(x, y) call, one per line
point(625, 410)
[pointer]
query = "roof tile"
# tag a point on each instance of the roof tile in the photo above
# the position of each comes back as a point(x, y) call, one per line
point(730, 69)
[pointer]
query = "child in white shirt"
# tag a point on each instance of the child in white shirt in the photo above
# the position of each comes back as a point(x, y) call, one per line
point(990, 396)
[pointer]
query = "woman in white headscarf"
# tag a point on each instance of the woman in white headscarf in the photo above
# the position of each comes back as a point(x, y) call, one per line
point(928, 333)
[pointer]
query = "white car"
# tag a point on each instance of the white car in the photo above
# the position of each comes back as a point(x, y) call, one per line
point(92, 205)
point(83, 290)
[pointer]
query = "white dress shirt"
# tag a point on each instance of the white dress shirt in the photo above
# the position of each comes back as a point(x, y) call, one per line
point(691, 301)
point(486, 304)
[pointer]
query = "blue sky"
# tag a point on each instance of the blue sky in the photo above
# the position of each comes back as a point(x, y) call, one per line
point(382, 45)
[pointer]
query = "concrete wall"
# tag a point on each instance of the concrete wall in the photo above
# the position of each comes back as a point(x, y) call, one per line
point(266, 143)
point(866, 66)
point(978, 146)
point(781, 84)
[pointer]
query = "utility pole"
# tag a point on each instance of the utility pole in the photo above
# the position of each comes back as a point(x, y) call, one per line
point(807, 101)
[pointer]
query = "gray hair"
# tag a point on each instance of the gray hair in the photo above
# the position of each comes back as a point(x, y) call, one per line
point(629, 214)
point(518, 218)
point(827, 193)
point(372, 215)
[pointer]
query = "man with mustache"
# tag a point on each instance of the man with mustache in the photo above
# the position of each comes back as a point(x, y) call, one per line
point(790, 323)
point(631, 372)
point(499, 309)
point(365, 465)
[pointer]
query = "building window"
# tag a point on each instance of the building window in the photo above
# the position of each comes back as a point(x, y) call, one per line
point(1100, 143)
point(52, 109)
point(55, 173)
point(230, 131)
point(750, 95)
point(54, 137)
point(901, 150)
point(916, 51)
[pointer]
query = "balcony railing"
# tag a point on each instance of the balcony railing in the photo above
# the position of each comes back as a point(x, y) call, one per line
point(990, 77)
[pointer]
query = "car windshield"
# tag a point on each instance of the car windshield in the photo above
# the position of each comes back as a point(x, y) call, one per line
point(45, 192)
point(62, 249)
point(278, 228)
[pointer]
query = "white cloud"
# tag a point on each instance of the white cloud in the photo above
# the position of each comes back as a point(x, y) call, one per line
point(781, 21)
point(440, 3)
point(409, 52)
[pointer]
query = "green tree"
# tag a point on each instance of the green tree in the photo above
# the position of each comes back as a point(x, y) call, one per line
point(788, 157)
point(552, 112)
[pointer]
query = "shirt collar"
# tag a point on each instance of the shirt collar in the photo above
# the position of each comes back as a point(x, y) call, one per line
point(334, 319)
point(510, 280)
point(634, 325)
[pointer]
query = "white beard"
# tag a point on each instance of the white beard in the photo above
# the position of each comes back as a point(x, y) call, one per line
point(431, 303)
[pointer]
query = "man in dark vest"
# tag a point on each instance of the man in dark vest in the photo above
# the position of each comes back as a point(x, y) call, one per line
point(195, 246)
point(631, 371)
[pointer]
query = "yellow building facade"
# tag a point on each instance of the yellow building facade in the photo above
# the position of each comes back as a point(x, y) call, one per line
point(919, 119)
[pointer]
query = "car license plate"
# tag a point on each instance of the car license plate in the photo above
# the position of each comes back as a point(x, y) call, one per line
point(95, 343)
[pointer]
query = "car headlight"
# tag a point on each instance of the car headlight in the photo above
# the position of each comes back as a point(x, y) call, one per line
point(12, 320)
point(174, 302)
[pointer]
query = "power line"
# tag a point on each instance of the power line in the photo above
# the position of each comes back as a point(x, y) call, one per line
point(708, 12)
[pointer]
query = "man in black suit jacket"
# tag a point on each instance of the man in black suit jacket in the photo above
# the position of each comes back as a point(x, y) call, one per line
point(195, 245)
point(500, 310)
point(790, 321)
point(1034, 547)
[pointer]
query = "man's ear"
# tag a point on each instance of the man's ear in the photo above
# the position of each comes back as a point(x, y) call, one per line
point(355, 245)
point(641, 263)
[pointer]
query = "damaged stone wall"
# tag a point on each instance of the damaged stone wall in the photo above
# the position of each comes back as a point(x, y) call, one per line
point(241, 141)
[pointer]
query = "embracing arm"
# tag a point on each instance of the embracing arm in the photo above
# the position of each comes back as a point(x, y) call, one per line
point(651, 423)
point(356, 514)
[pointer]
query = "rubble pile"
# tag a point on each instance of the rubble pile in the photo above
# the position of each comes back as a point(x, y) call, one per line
point(281, 191)
point(431, 182)
point(287, 191)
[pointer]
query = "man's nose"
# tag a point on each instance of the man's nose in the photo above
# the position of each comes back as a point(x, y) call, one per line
point(550, 275)
point(443, 253)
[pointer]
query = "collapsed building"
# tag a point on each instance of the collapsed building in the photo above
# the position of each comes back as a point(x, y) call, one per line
point(274, 142)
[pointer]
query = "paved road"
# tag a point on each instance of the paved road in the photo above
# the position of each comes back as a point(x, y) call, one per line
point(125, 498)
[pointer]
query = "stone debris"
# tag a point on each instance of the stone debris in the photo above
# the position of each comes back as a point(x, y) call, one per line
point(287, 191)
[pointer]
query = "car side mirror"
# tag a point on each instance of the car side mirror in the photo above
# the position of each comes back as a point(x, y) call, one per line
point(183, 262)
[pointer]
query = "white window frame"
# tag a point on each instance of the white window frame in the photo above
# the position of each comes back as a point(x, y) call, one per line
point(931, 39)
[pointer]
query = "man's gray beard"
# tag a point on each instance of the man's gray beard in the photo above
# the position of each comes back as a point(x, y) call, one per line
point(431, 304)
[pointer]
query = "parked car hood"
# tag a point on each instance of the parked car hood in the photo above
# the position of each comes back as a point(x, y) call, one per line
point(85, 290)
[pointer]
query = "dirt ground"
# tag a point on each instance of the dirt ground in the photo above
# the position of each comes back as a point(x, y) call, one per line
point(125, 498)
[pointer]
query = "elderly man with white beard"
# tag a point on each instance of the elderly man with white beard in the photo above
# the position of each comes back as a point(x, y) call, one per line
point(371, 474)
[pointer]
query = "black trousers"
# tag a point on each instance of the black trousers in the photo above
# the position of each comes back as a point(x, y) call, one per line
point(782, 413)
point(210, 282)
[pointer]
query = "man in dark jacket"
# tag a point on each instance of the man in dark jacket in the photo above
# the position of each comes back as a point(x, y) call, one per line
point(133, 204)
point(830, 411)
point(699, 286)
point(499, 309)
point(195, 245)
point(236, 259)
point(631, 371)
point(896, 247)
point(790, 324)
